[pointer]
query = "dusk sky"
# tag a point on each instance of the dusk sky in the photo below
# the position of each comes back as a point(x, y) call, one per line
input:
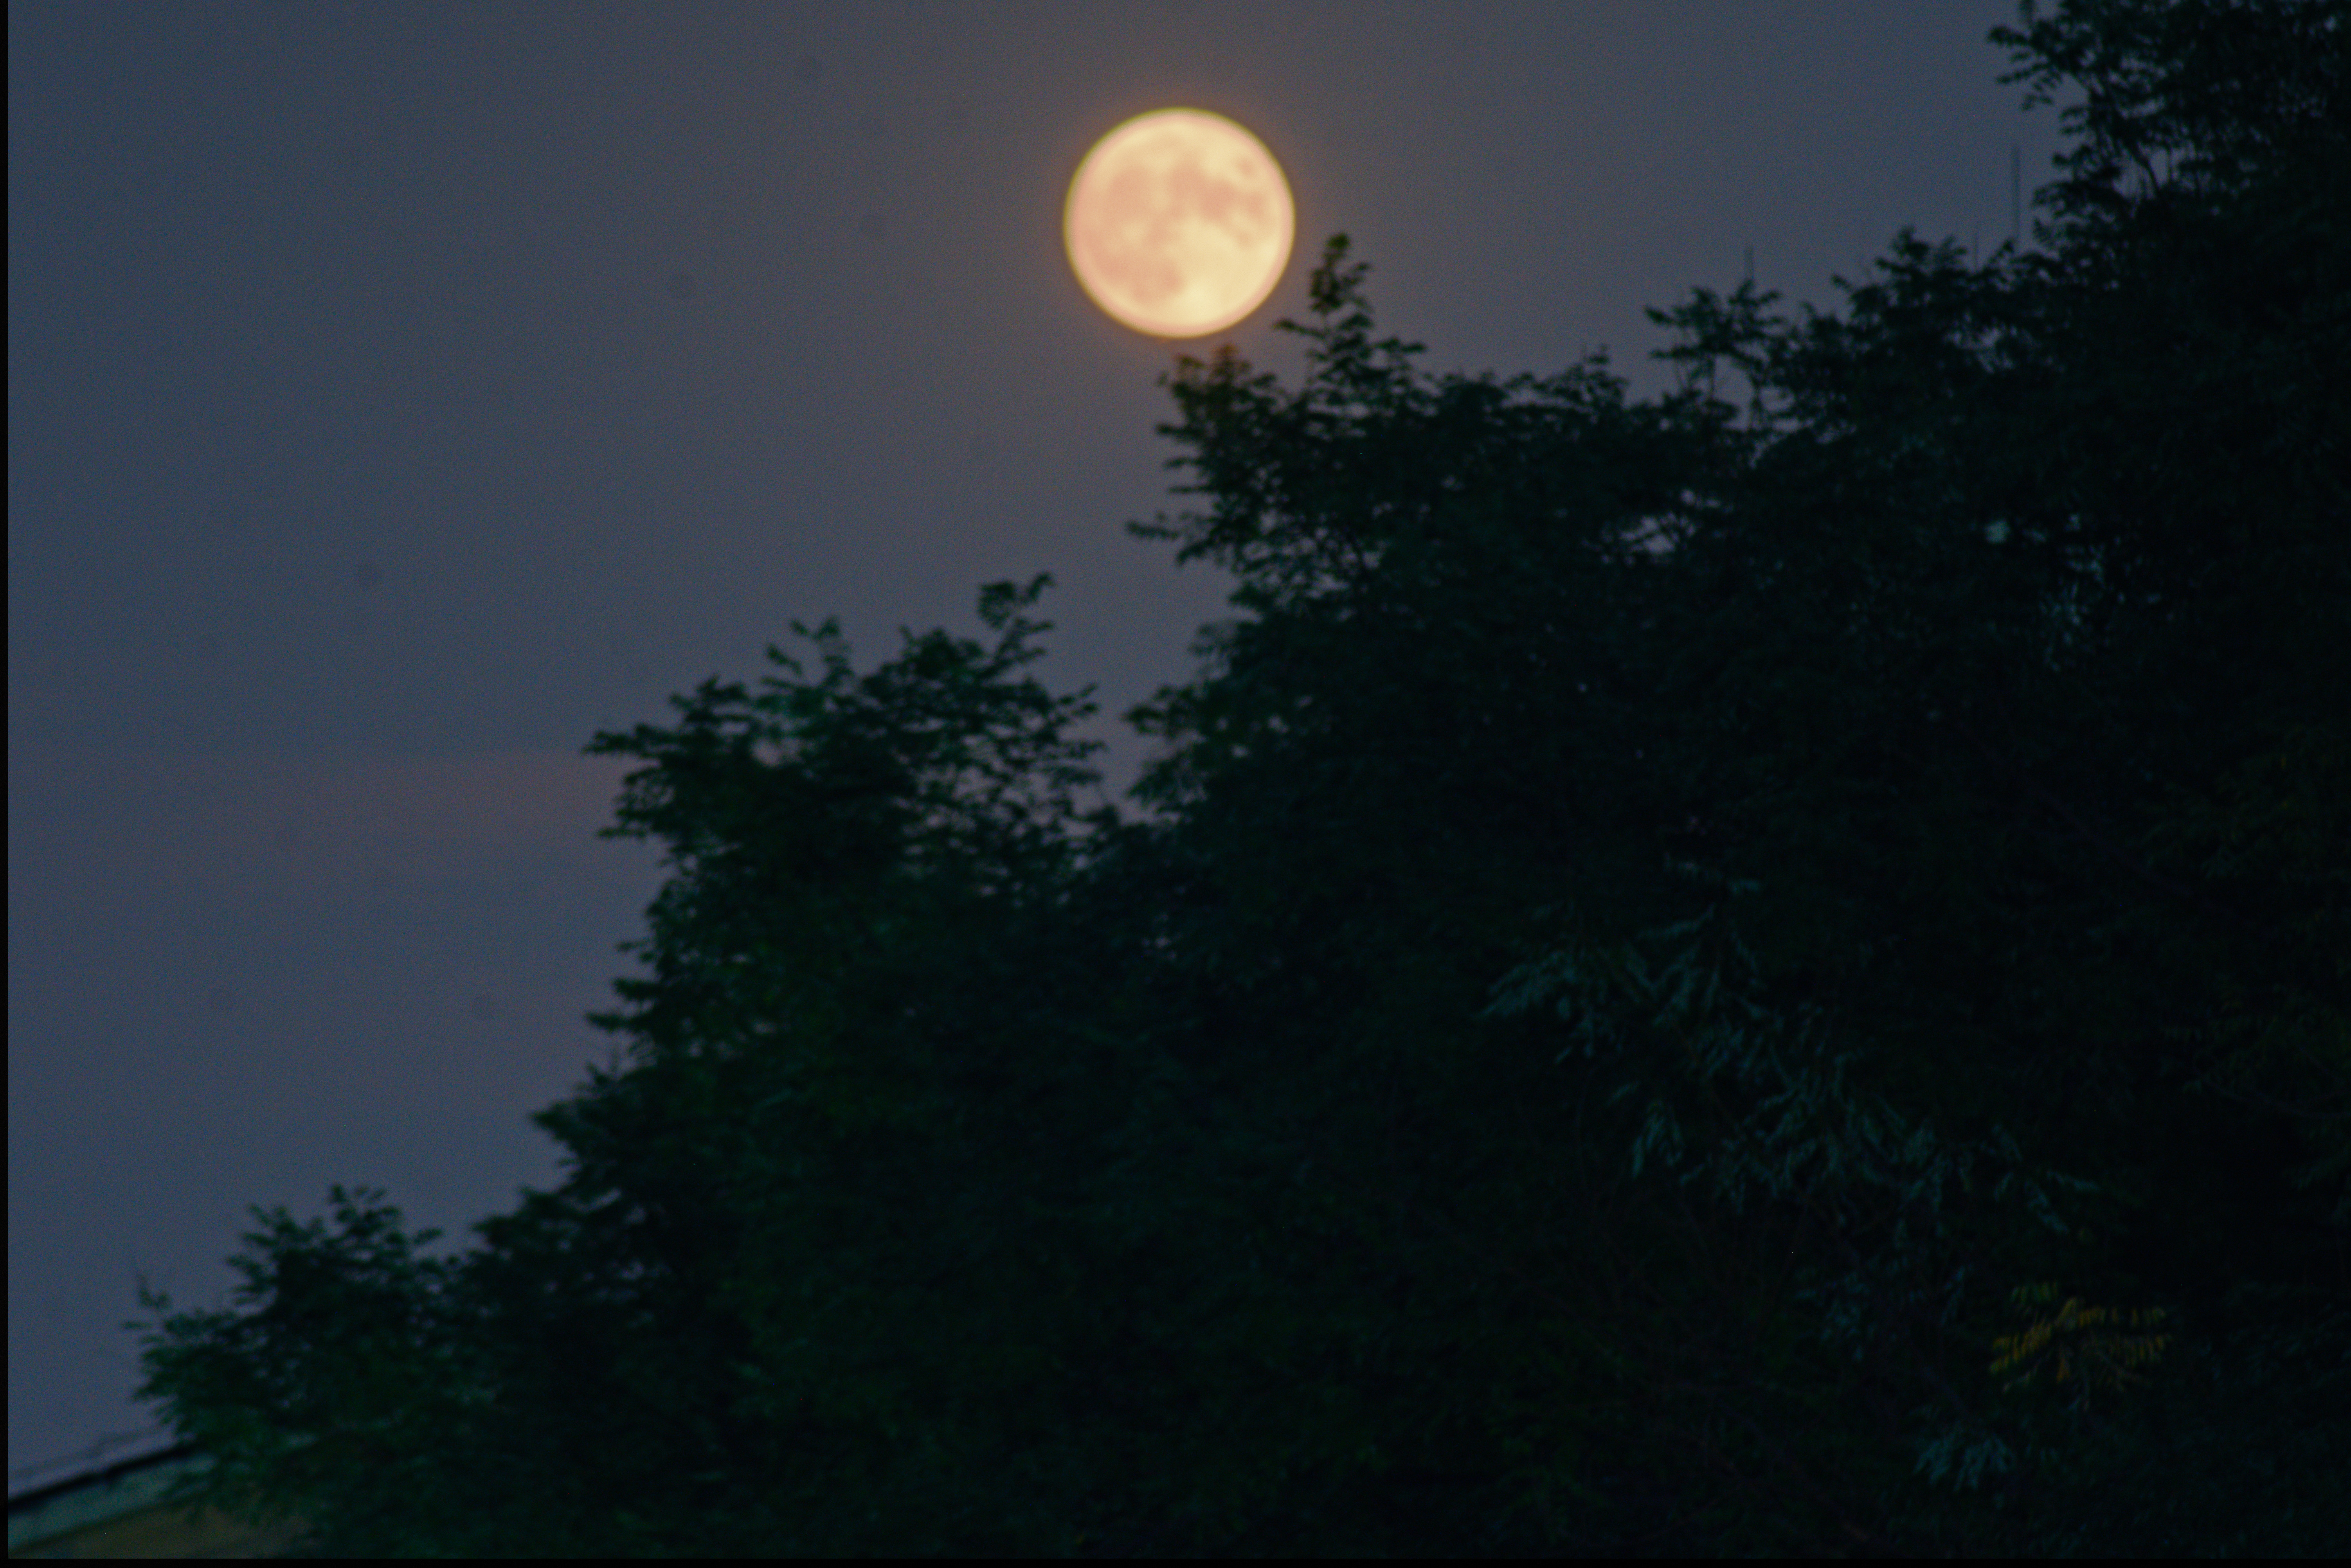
point(398, 395)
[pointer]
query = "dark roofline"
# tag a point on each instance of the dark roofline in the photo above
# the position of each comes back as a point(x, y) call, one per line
point(105, 1473)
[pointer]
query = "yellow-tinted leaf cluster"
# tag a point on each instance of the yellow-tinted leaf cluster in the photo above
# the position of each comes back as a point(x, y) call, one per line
point(2102, 1345)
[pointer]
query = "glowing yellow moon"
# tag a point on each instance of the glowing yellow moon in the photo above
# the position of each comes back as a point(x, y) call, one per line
point(1178, 222)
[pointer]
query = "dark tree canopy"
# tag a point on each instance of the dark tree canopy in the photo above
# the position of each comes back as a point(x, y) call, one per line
point(1765, 970)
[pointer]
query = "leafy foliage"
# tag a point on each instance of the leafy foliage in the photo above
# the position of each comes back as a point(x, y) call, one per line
point(2084, 1345)
point(1668, 928)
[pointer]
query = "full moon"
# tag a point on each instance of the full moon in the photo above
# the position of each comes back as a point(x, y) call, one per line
point(1178, 222)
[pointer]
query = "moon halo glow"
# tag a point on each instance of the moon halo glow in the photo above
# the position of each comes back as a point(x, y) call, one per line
point(1178, 222)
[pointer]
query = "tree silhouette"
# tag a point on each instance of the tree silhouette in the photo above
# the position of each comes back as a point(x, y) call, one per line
point(1705, 978)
